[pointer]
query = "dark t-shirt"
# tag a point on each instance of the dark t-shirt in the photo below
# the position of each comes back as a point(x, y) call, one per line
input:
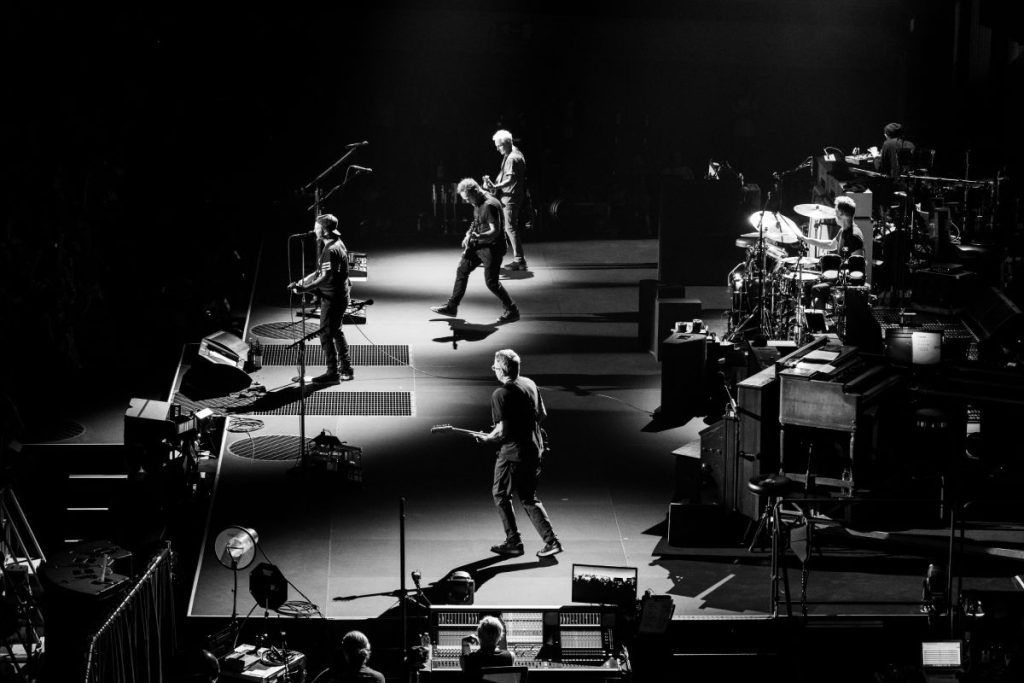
point(895, 156)
point(850, 241)
point(332, 262)
point(475, 661)
point(513, 166)
point(363, 674)
point(488, 212)
point(519, 407)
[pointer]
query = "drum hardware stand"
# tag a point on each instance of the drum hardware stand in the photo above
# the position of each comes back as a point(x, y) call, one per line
point(760, 313)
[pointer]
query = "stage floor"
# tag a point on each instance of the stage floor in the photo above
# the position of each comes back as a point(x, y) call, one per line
point(606, 486)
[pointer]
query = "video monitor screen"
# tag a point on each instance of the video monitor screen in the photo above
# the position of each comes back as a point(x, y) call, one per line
point(603, 585)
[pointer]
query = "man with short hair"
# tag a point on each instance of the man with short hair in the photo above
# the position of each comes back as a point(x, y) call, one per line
point(849, 241)
point(482, 245)
point(517, 410)
point(510, 189)
point(330, 281)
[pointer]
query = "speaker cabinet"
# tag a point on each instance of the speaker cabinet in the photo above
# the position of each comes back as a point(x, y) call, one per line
point(684, 357)
point(757, 399)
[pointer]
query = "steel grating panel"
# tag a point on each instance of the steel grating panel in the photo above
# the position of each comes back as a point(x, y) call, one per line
point(362, 354)
point(366, 403)
point(285, 330)
point(269, 447)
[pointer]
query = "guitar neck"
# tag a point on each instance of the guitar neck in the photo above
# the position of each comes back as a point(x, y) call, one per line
point(468, 432)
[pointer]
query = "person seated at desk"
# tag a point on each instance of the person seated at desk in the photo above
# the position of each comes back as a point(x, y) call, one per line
point(488, 634)
point(355, 648)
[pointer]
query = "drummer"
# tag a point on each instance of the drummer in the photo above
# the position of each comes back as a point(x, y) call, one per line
point(849, 241)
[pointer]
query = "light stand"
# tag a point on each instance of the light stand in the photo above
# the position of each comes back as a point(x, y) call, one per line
point(235, 548)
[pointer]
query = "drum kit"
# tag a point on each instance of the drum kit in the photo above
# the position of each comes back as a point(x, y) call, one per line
point(777, 287)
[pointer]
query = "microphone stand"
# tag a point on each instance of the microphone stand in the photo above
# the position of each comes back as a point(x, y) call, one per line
point(301, 344)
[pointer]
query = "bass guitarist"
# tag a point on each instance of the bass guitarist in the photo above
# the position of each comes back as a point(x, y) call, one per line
point(483, 245)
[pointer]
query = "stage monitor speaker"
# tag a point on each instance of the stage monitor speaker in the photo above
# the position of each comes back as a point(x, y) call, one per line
point(668, 310)
point(698, 224)
point(684, 357)
point(224, 348)
point(694, 524)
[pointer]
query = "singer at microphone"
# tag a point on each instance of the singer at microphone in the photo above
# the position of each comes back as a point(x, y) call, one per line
point(330, 281)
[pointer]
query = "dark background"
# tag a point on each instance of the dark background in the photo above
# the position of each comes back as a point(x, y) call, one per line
point(149, 150)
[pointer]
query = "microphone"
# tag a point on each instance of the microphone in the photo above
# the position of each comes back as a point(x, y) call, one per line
point(362, 168)
point(357, 144)
point(302, 234)
point(361, 304)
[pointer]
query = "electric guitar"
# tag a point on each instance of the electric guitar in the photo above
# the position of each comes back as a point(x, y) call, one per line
point(441, 429)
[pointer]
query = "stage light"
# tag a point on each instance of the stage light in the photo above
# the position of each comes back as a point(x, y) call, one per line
point(235, 547)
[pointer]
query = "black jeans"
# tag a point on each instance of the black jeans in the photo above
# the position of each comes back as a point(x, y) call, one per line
point(332, 339)
point(490, 259)
point(520, 478)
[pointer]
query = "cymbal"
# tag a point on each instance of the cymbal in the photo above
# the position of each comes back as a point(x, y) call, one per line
point(772, 236)
point(815, 211)
point(802, 261)
point(769, 220)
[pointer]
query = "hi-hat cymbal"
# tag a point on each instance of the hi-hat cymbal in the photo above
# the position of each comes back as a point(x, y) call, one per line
point(815, 211)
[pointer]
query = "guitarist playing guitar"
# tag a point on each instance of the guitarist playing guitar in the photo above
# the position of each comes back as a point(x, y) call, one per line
point(517, 410)
point(483, 245)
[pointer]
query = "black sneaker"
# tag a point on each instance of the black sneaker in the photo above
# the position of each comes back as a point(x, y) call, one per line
point(447, 309)
point(506, 548)
point(347, 374)
point(518, 264)
point(550, 549)
point(510, 315)
point(329, 377)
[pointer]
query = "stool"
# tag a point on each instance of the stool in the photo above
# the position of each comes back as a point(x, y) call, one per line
point(774, 486)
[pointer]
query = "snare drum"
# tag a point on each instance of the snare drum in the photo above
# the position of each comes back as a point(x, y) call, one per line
point(830, 265)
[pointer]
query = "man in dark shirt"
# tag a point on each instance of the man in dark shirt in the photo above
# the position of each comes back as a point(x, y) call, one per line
point(488, 636)
point(896, 152)
point(517, 410)
point(849, 241)
point(510, 188)
point(330, 281)
point(484, 246)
